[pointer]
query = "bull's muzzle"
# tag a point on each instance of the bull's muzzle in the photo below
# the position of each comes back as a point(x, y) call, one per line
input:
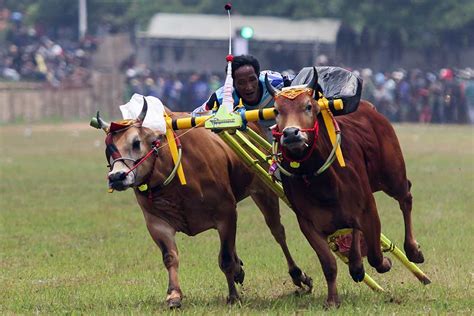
point(117, 181)
point(293, 139)
point(291, 135)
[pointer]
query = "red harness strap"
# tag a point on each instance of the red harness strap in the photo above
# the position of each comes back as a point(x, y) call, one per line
point(111, 149)
point(277, 135)
point(113, 152)
point(154, 146)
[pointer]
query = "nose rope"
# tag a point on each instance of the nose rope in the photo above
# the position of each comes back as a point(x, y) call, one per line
point(315, 130)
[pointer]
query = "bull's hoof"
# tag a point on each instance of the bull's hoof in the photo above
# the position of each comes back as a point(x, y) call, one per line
point(233, 299)
point(414, 254)
point(332, 303)
point(174, 299)
point(357, 274)
point(239, 277)
point(385, 266)
point(300, 279)
point(174, 303)
point(308, 281)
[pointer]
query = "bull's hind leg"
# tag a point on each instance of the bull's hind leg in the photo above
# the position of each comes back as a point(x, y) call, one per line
point(356, 267)
point(412, 250)
point(267, 202)
point(370, 226)
point(164, 236)
point(394, 182)
point(229, 263)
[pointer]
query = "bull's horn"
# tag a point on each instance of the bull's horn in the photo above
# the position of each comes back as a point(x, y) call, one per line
point(271, 89)
point(142, 114)
point(98, 122)
point(314, 80)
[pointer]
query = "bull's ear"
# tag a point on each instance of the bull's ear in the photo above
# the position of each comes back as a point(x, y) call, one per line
point(141, 116)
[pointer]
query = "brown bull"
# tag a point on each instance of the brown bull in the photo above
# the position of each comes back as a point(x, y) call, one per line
point(216, 181)
point(341, 197)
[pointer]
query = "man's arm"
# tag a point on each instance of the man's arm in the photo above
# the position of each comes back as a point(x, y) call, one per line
point(209, 104)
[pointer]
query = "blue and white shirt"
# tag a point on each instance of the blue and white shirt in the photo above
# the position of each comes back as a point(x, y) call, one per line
point(275, 79)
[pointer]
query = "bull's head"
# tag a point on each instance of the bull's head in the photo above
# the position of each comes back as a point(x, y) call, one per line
point(296, 116)
point(127, 142)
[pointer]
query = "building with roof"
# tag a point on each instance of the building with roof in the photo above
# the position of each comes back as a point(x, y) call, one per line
point(198, 42)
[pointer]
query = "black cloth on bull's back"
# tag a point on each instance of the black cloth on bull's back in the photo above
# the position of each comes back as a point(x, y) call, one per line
point(335, 83)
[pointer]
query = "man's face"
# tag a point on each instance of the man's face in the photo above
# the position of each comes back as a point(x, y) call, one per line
point(246, 83)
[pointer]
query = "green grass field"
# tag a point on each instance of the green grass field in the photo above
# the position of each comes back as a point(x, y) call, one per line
point(67, 246)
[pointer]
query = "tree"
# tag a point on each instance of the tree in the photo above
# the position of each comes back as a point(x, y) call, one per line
point(418, 23)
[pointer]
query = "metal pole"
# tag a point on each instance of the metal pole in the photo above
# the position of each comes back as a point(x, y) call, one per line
point(387, 245)
point(82, 18)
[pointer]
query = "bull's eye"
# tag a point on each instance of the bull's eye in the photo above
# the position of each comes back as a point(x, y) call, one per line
point(136, 144)
point(308, 107)
point(275, 111)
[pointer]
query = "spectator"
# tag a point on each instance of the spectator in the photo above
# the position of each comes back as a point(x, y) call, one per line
point(468, 77)
point(30, 57)
point(401, 95)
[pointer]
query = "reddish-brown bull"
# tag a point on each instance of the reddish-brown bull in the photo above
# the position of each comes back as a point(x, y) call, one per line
point(342, 197)
point(216, 181)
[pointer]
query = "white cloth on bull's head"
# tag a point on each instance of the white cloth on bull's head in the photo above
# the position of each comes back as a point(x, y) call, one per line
point(154, 118)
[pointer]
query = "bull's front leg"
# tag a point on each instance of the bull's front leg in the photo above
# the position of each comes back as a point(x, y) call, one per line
point(164, 236)
point(328, 262)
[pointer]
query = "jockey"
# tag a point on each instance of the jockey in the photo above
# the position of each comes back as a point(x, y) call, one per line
point(249, 85)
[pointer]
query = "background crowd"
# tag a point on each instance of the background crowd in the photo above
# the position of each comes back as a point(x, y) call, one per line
point(441, 96)
point(29, 54)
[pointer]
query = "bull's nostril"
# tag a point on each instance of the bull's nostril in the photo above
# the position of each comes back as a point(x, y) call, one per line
point(117, 176)
point(291, 132)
